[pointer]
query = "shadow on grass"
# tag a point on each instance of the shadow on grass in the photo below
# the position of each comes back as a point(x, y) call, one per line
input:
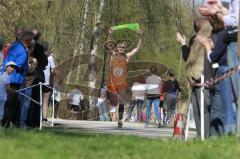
point(60, 132)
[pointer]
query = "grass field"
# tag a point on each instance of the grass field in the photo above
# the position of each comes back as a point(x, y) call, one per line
point(60, 144)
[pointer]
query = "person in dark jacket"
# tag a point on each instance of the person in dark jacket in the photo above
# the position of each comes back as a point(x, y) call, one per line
point(172, 96)
point(223, 115)
point(38, 52)
point(33, 119)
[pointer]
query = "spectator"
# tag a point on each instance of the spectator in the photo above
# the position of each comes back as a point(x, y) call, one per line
point(57, 98)
point(153, 83)
point(220, 55)
point(25, 99)
point(42, 58)
point(102, 105)
point(172, 95)
point(19, 32)
point(137, 99)
point(46, 86)
point(18, 54)
point(162, 106)
point(33, 119)
point(230, 18)
point(75, 96)
point(196, 64)
point(5, 50)
point(4, 86)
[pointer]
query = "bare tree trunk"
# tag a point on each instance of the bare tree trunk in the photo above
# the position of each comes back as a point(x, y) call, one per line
point(82, 33)
point(58, 23)
point(93, 53)
point(83, 29)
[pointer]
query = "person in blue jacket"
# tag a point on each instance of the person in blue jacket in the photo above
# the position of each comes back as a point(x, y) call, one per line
point(18, 54)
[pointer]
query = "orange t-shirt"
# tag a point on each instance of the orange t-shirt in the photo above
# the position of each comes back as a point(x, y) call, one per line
point(118, 68)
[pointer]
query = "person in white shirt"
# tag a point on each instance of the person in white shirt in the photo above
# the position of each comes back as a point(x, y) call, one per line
point(137, 99)
point(56, 96)
point(46, 86)
point(4, 86)
point(75, 96)
point(102, 105)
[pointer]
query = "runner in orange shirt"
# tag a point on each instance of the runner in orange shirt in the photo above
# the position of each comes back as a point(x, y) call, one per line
point(118, 70)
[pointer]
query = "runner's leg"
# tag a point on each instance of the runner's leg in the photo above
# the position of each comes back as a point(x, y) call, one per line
point(121, 99)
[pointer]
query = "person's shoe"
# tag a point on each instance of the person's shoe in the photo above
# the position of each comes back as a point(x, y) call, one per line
point(45, 122)
point(23, 126)
point(160, 125)
point(120, 123)
point(147, 126)
point(126, 119)
point(157, 123)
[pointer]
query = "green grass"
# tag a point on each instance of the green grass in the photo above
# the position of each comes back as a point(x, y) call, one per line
point(59, 144)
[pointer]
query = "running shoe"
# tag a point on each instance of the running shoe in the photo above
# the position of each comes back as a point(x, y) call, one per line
point(120, 123)
point(45, 122)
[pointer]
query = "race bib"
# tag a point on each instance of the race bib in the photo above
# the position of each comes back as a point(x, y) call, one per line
point(117, 71)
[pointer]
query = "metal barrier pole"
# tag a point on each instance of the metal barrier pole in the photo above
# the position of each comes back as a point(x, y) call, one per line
point(53, 104)
point(187, 123)
point(202, 108)
point(41, 106)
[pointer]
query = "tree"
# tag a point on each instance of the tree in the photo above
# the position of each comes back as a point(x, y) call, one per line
point(93, 52)
point(81, 43)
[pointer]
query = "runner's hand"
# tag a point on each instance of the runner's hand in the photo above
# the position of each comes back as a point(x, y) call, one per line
point(139, 32)
point(110, 31)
